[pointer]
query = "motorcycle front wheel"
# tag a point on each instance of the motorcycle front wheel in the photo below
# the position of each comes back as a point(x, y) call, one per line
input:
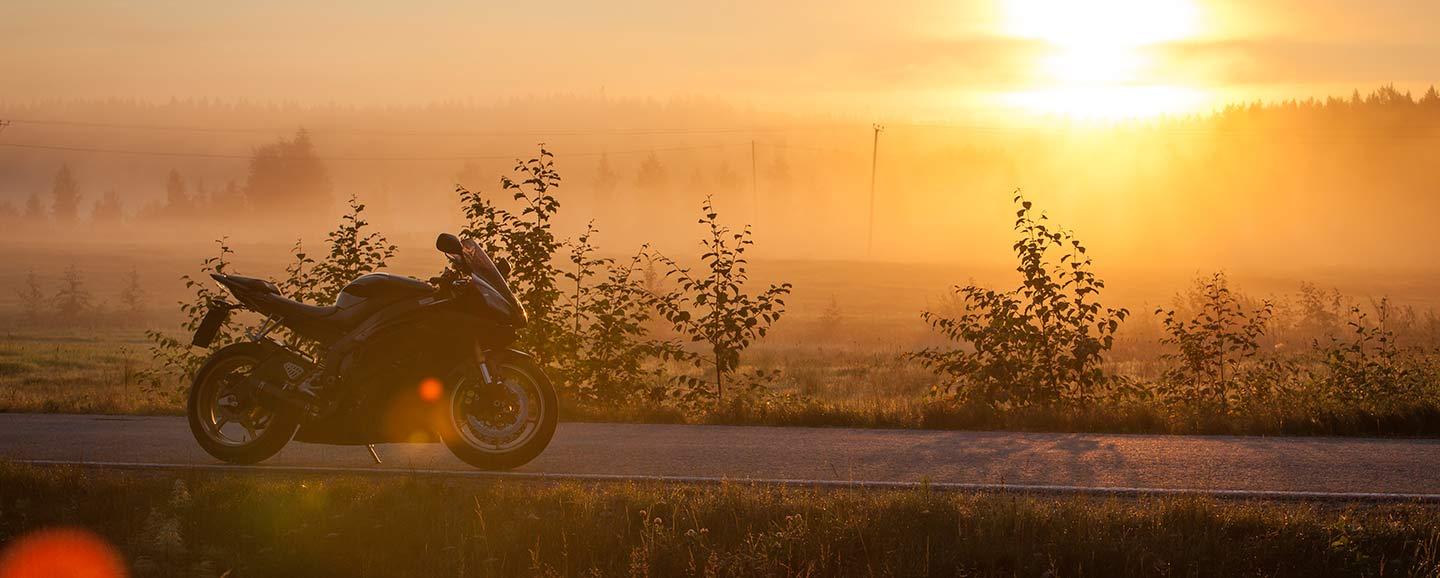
point(503, 424)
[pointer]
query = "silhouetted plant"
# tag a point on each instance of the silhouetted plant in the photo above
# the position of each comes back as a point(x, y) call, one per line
point(132, 295)
point(527, 242)
point(32, 297)
point(175, 361)
point(1212, 342)
point(1366, 365)
point(354, 251)
point(65, 197)
point(831, 317)
point(1039, 344)
point(72, 299)
point(712, 307)
point(608, 356)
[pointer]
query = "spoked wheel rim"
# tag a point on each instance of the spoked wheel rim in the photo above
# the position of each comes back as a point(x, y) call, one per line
point(230, 414)
point(501, 416)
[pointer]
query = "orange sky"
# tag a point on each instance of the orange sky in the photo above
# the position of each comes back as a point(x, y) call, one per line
point(918, 58)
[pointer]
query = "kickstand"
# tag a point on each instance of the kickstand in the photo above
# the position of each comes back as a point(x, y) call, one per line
point(371, 447)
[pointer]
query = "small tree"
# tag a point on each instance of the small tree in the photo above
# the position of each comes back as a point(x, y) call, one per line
point(132, 295)
point(1039, 344)
point(175, 361)
point(73, 299)
point(35, 208)
point(178, 202)
point(831, 317)
point(32, 297)
point(1213, 341)
point(712, 307)
point(1367, 365)
point(109, 210)
point(65, 197)
point(287, 177)
point(527, 242)
point(652, 176)
point(607, 353)
point(354, 251)
point(605, 179)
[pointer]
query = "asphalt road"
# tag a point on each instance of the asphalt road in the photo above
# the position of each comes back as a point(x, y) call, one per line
point(991, 459)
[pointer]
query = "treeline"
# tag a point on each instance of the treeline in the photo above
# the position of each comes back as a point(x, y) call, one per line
point(285, 180)
point(1259, 174)
point(1393, 111)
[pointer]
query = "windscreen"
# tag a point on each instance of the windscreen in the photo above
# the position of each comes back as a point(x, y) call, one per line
point(481, 265)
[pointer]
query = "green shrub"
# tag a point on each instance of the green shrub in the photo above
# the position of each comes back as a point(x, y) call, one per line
point(1212, 342)
point(1041, 343)
point(713, 308)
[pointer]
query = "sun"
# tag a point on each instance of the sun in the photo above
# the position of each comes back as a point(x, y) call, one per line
point(1095, 60)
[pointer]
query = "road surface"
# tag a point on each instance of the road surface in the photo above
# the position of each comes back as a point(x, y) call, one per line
point(1278, 466)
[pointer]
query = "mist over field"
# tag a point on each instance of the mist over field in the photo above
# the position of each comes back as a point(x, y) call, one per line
point(1334, 191)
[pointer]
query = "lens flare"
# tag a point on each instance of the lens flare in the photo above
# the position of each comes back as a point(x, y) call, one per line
point(61, 552)
point(430, 389)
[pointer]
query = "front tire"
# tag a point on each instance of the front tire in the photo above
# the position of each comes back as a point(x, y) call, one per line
point(226, 418)
point(504, 424)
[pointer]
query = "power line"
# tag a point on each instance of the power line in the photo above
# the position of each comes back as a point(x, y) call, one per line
point(812, 149)
point(460, 158)
point(647, 131)
point(990, 128)
point(1273, 132)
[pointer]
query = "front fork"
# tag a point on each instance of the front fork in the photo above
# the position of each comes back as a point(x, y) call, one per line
point(482, 359)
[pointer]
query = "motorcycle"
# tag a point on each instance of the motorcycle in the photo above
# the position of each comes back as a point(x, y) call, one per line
point(399, 360)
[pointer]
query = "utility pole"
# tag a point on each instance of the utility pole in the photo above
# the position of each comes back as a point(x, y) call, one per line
point(754, 186)
point(874, 154)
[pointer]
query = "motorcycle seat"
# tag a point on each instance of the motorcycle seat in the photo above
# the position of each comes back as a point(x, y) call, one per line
point(287, 308)
point(247, 283)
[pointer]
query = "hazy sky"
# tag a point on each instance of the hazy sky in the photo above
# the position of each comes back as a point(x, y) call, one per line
point(856, 55)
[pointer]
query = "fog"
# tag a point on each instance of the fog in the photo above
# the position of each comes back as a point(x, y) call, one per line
point(1285, 186)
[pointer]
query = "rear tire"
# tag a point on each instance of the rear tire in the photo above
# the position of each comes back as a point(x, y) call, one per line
point(216, 380)
point(463, 433)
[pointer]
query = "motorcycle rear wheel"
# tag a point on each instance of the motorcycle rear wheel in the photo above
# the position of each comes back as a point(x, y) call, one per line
point(228, 421)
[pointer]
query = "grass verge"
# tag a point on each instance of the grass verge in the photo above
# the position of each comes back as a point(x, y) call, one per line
point(270, 525)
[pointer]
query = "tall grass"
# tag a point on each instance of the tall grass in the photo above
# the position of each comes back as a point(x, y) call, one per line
point(168, 524)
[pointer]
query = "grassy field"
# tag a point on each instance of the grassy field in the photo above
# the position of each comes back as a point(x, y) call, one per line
point(77, 371)
point(184, 524)
point(95, 371)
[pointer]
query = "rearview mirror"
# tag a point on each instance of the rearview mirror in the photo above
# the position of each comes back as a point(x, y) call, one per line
point(504, 267)
point(448, 244)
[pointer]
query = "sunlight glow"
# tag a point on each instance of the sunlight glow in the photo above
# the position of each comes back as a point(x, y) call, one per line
point(1102, 22)
point(1096, 64)
point(1110, 103)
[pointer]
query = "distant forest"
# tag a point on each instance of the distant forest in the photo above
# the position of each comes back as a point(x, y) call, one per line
point(1339, 178)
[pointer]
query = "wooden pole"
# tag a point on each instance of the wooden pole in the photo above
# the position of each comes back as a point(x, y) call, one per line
point(874, 154)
